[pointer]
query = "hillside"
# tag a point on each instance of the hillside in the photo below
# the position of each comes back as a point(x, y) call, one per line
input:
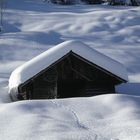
point(30, 27)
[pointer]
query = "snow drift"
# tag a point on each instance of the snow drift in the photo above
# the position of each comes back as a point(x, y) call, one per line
point(105, 117)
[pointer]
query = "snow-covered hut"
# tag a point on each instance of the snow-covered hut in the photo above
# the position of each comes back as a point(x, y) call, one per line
point(70, 69)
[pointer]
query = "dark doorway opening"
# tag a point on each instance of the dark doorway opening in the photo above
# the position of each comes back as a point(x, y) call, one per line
point(73, 88)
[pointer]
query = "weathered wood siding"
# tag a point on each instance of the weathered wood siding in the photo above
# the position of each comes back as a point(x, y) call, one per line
point(73, 76)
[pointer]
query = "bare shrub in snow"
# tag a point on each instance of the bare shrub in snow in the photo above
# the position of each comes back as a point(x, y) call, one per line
point(125, 2)
point(111, 2)
point(93, 1)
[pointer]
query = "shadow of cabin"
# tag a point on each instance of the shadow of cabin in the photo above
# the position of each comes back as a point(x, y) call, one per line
point(70, 76)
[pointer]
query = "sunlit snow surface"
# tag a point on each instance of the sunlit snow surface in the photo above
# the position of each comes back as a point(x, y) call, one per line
point(105, 117)
point(30, 28)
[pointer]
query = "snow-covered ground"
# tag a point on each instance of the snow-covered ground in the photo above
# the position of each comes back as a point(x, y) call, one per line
point(30, 27)
point(105, 117)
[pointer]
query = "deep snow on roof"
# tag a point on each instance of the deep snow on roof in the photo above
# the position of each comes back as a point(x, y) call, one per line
point(42, 61)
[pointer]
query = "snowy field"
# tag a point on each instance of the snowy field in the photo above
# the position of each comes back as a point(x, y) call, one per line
point(31, 27)
point(106, 117)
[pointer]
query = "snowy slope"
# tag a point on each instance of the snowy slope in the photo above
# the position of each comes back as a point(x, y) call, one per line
point(106, 117)
point(30, 28)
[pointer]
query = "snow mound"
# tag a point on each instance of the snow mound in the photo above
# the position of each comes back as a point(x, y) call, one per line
point(39, 63)
point(105, 117)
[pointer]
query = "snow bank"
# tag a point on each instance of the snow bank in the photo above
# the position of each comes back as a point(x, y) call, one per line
point(4, 95)
point(106, 117)
point(39, 63)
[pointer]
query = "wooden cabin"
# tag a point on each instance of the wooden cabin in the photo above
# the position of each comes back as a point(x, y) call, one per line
point(69, 75)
